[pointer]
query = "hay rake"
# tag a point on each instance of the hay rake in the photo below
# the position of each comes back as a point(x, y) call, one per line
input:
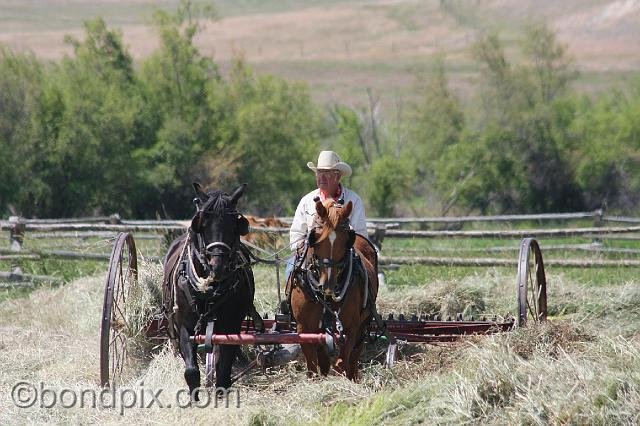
point(281, 336)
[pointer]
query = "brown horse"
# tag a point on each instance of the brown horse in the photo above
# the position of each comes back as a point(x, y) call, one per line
point(336, 278)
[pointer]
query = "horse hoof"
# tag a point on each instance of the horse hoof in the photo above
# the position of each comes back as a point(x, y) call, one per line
point(192, 377)
point(221, 392)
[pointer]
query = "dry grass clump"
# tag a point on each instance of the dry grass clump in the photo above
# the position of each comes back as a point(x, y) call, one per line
point(568, 298)
point(144, 303)
point(610, 310)
point(548, 338)
point(498, 386)
point(445, 299)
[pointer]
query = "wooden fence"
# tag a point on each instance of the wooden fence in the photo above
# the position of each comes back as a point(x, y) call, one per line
point(379, 229)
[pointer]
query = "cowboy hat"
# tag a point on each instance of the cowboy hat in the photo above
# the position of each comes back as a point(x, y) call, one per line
point(329, 160)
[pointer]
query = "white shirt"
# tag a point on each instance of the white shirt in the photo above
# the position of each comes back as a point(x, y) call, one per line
point(303, 219)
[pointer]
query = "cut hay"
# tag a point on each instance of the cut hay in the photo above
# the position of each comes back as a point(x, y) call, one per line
point(569, 371)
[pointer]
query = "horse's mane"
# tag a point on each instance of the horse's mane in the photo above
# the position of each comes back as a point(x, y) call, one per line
point(217, 202)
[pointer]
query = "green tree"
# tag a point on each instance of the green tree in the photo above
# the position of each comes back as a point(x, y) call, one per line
point(389, 179)
point(22, 81)
point(98, 117)
point(179, 84)
point(349, 139)
point(608, 152)
point(522, 136)
point(278, 129)
point(436, 123)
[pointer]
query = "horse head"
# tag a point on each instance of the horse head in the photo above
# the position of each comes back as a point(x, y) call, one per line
point(330, 243)
point(216, 229)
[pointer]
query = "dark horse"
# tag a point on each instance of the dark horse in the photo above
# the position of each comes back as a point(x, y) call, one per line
point(334, 286)
point(208, 278)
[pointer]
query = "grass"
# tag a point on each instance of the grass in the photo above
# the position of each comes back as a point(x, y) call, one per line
point(581, 367)
point(568, 371)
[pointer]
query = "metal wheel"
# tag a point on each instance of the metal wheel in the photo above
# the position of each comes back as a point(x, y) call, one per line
point(532, 284)
point(122, 275)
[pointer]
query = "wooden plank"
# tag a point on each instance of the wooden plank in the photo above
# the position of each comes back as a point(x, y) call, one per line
point(19, 277)
point(100, 227)
point(23, 256)
point(77, 227)
point(183, 223)
point(63, 254)
point(89, 234)
point(495, 218)
point(621, 219)
point(444, 261)
point(92, 219)
point(588, 247)
point(74, 255)
point(461, 261)
point(537, 233)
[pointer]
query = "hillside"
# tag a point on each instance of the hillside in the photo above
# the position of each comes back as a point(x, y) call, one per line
point(341, 48)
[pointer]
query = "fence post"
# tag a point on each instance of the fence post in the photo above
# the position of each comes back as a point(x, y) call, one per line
point(16, 233)
point(598, 221)
point(378, 235)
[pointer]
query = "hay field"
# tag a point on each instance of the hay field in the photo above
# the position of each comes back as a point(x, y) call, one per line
point(341, 48)
point(583, 367)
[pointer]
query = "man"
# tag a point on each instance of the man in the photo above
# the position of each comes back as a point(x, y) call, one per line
point(329, 170)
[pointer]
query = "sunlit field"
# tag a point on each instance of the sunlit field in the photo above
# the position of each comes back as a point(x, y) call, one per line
point(582, 366)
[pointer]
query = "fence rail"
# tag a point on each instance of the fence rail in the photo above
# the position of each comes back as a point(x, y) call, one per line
point(621, 219)
point(24, 279)
point(519, 233)
point(462, 261)
point(497, 218)
point(107, 227)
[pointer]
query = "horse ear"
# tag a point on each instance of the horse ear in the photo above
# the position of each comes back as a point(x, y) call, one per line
point(238, 193)
point(320, 209)
point(243, 225)
point(346, 211)
point(200, 192)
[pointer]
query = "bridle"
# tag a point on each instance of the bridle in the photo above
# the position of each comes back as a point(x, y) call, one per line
point(314, 265)
point(204, 251)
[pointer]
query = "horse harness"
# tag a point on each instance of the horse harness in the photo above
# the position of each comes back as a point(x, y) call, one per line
point(307, 271)
point(204, 298)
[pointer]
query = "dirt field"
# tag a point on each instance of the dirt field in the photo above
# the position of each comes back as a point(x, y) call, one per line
point(341, 48)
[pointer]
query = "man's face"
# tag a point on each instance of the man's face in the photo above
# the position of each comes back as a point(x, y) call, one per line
point(328, 180)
